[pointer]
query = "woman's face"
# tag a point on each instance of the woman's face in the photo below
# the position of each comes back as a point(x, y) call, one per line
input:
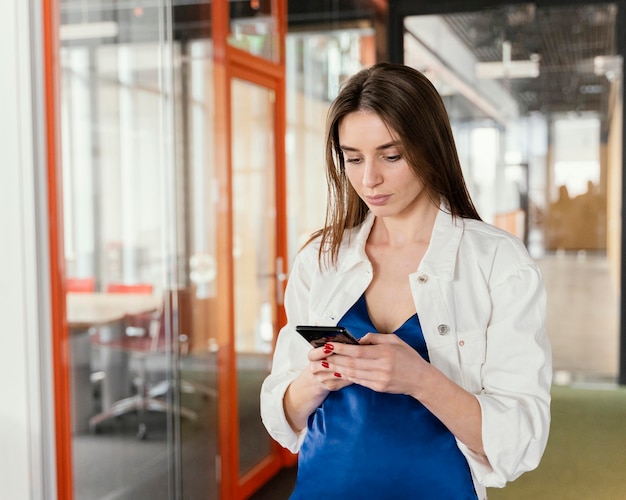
point(376, 167)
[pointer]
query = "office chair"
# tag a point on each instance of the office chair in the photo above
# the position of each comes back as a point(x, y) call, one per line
point(144, 336)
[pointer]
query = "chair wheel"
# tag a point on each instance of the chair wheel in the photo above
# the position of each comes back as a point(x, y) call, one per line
point(142, 432)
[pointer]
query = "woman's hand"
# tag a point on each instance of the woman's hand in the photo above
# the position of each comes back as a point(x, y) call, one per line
point(383, 363)
point(311, 388)
point(319, 364)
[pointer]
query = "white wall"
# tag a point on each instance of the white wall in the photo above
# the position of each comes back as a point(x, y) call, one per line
point(26, 460)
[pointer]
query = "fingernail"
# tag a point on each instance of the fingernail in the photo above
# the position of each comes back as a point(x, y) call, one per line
point(337, 374)
point(329, 347)
point(325, 364)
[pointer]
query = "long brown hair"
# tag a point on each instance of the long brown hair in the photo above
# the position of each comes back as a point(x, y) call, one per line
point(407, 102)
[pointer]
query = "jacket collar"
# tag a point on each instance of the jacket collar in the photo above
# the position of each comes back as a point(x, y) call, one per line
point(353, 245)
point(439, 259)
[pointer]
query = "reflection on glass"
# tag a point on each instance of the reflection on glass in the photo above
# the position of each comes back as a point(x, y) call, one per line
point(254, 252)
point(143, 373)
point(253, 28)
point(197, 297)
point(122, 328)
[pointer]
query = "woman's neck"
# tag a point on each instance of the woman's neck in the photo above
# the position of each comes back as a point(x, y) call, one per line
point(407, 229)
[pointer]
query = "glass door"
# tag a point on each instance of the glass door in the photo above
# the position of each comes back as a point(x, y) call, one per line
point(172, 253)
point(250, 164)
point(116, 108)
point(139, 214)
point(258, 271)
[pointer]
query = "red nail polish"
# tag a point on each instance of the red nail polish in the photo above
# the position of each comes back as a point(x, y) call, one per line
point(337, 374)
point(328, 347)
point(325, 364)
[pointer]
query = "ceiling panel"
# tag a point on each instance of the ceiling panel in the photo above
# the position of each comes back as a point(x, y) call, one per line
point(565, 40)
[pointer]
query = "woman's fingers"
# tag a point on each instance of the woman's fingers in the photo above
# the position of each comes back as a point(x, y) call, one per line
point(383, 362)
point(386, 364)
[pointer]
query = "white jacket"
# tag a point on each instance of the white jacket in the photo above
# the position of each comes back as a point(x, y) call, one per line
point(481, 304)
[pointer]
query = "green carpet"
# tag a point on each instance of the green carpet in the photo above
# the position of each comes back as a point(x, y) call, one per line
point(586, 453)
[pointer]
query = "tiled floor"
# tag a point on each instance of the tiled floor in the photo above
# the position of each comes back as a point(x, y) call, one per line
point(583, 317)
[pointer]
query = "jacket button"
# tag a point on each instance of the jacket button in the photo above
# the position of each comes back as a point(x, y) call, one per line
point(422, 278)
point(443, 329)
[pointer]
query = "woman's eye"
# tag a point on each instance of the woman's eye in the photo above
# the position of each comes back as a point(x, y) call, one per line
point(353, 160)
point(393, 157)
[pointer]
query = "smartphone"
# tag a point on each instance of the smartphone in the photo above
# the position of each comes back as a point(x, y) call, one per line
point(317, 336)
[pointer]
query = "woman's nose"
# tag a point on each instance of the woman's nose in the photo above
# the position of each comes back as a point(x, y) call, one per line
point(371, 174)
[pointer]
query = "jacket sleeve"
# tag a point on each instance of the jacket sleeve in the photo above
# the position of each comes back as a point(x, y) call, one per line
point(516, 380)
point(290, 358)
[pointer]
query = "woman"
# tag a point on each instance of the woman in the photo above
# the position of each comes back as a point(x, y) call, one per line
point(449, 390)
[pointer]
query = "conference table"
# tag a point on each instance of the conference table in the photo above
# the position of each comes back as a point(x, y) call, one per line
point(105, 312)
point(85, 310)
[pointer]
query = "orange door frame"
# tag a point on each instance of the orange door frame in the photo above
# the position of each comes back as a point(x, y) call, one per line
point(229, 63)
point(60, 335)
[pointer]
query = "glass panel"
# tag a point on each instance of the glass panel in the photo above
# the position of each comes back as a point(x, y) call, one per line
point(197, 296)
point(317, 64)
point(117, 244)
point(253, 28)
point(538, 141)
point(254, 253)
point(139, 220)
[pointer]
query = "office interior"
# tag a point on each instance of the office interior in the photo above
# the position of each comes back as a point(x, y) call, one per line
point(165, 164)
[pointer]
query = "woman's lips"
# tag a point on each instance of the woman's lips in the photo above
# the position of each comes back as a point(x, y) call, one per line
point(377, 200)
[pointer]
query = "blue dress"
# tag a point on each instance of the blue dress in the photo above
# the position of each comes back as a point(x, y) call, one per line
point(363, 444)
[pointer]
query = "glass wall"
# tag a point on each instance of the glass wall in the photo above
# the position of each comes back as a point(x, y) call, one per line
point(195, 214)
point(137, 108)
point(533, 128)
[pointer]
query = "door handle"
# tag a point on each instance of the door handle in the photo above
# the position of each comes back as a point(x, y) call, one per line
point(281, 277)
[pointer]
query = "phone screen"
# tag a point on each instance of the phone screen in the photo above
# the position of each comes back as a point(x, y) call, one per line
point(317, 336)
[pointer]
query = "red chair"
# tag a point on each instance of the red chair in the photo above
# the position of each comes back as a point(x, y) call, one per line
point(129, 288)
point(81, 285)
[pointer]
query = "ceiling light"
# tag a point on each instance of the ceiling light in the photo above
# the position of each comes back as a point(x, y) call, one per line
point(508, 68)
point(609, 66)
point(515, 69)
